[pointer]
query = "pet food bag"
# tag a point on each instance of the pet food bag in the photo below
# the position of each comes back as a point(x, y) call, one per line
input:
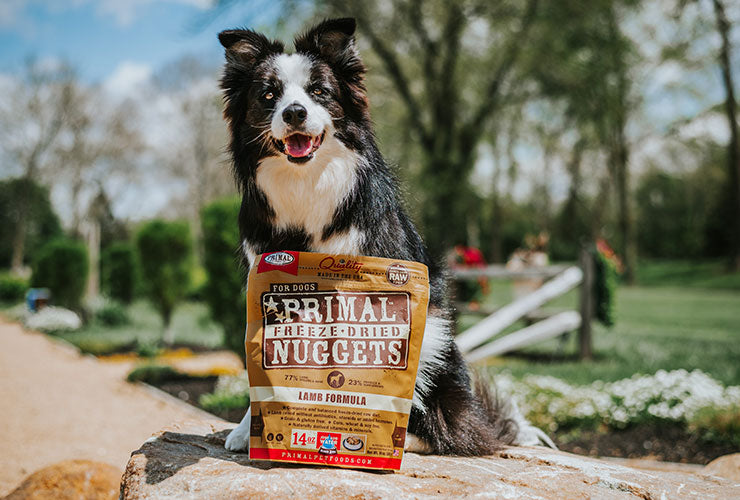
point(333, 345)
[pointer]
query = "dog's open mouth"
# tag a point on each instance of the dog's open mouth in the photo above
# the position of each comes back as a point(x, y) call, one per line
point(299, 148)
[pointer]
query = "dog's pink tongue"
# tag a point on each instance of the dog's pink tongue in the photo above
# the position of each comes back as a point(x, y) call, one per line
point(298, 145)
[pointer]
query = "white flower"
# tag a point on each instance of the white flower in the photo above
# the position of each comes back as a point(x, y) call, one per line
point(234, 385)
point(52, 318)
point(677, 395)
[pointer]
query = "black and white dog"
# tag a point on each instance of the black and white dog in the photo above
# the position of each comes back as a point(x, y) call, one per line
point(313, 179)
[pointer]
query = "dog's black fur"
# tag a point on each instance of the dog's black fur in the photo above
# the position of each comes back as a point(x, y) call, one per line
point(461, 418)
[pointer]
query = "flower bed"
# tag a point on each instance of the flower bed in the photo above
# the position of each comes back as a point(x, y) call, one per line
point(693, 399)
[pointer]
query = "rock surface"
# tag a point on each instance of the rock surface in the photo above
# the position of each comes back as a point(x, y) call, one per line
point(727, 467)
point(70, 480)
point(189, 461)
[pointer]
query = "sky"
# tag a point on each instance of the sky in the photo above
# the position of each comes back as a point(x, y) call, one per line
point(119, 45)
point(119, 39)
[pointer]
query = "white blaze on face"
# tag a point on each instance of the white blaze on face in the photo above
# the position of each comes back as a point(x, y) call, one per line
point(294, 72)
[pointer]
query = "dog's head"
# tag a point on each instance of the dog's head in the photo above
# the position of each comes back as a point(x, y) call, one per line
point(287, 104)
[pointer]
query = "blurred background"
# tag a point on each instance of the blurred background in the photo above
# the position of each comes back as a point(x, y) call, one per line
point(526, 134)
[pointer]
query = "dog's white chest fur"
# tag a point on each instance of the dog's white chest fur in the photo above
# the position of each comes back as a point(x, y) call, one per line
point(307, 196)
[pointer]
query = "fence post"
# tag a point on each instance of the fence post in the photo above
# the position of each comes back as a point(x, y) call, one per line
point(587, 303)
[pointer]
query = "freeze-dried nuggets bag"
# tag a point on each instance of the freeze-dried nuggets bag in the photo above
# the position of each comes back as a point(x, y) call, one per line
point(333, 345)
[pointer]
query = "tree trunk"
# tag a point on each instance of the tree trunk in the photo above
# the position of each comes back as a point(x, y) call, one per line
point(19, 238)
point(168, 334)
point(628, 250)
point(733, 148)
point(619, 157)
point(93, 251)
point(497, 244)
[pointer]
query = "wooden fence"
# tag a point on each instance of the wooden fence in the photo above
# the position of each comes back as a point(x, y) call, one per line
point(477, 342)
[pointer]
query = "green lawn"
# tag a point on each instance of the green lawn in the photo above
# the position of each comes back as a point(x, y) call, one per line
point(685, 273)
point(666, 327)
point(191, 323)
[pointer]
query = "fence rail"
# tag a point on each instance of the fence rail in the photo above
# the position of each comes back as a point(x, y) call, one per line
point(474, 342)
point(500, 271)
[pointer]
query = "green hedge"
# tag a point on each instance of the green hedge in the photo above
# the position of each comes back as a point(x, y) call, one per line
point(154, 374)
point(118, 271)
point(12, 288)
point(164, 254)
point(62, 266)
point(224, 291)
point(41, 223)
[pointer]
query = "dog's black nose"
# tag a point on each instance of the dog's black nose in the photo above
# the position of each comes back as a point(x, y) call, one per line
point(294, 115)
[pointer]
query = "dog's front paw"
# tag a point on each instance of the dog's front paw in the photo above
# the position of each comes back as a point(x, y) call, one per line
point(238, 439)
point(415, 444)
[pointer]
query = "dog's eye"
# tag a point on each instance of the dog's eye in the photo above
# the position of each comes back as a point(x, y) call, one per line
point(317, 91)
point(268, 96)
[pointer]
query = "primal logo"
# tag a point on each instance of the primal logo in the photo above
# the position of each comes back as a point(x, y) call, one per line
point(286, 262)
point(279, 259)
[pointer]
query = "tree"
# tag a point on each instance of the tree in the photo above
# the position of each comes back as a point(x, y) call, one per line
point(700, 22)
point(118, 268)
point(424, 50)
point(30, 124)
point(61, 266)
point(733, 147)
point(224, 291)
point(99, 143)
point(164, 255)
point(197, 154)
point(672, 212)
point(592, 77)
point(41, 223)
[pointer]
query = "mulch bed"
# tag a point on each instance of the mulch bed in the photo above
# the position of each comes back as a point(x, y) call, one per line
point(190, 390)
point(670, 443)
point(665, 443)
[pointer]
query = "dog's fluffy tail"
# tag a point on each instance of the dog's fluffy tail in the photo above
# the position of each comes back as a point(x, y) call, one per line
point(505, 419)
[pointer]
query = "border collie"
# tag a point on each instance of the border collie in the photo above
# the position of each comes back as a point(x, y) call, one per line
point(313, 179)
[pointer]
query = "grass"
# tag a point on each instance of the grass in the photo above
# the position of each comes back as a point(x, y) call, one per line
point(667, 327)
point(191, 324)
point(686, 273)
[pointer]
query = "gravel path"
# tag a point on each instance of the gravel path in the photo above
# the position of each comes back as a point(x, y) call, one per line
point(56, 404)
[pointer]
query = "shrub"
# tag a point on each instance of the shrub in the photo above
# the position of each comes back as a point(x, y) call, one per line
point(147, 350)
point(718, 424)
point(164, 254)
point(606, 270)
point(102, 345)
point(112, 313)
point(61, 265)
point(231, 392)
point(220, 402)
point(12, 288)
point(223, 291)
point(118, 271)
point(198, 280)
point(154, 374)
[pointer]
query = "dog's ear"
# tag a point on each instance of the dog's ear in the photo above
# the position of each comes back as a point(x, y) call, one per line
point(247, 47)
point(333, 41)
